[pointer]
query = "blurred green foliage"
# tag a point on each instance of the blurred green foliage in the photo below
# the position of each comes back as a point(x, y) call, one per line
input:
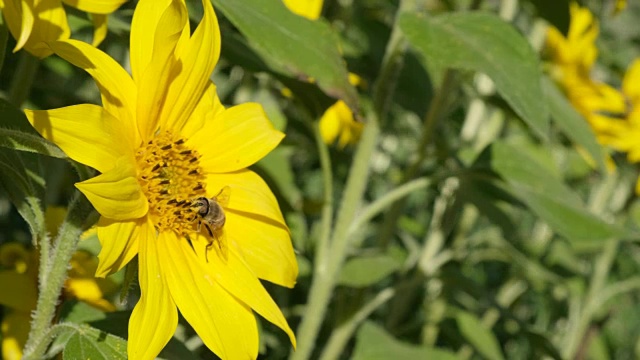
point(517, 245)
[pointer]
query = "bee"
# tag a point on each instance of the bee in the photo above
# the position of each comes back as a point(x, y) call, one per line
point(210, 215)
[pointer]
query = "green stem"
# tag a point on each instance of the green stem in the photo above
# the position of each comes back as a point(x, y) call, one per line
point(389, 198)
point(23, 79)
point(341, 335)
point(55, 271)
point(431, 119)
point(326, 271)
point(578, 329)
point(330, 264)
point(327, 208)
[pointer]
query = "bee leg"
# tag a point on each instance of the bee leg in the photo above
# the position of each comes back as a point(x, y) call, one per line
point(206, 251)
point(209, 230)
point(190, 243)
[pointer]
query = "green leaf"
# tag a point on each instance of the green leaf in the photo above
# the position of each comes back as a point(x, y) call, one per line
point(291, 44)
point(572, 124)
point(20, 178)
point(363, 271)
point(478, 335)
point(18, 140)
point(86, 342)
point(547, 196)
point(16, 133)
point(483, 42)
point(116, 323)
point(373, 343)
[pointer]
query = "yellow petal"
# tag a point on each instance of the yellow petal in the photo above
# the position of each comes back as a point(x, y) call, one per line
point(265, 245)
point(155, 318)
point(33, 26)
point(248, 193)
point(116, 194)
point(235, 139)
point(86, 133)
point(19, 291)
point(330, 125)
point(15, 329)
point(119, 240)
point(160, 73)
point(631, 82)
point(20, 20)
point(96, 6)
point(89, 292)
point(208, 107)
point(145, 21)
point(99, 28)
point(119, 94)
point(225, 324)
point(235, 276)
point(84, 286)
point(196, 59)
point(310, 9)
point(338, 122)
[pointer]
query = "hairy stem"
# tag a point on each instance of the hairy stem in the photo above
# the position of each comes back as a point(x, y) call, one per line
point(56, 274)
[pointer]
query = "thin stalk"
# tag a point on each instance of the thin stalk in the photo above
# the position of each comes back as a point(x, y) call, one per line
point(431, 257)
point(325, 273)
point(325, 276)
point(579, 328)
point(387, 199)
point(23, 79)
point(392, 63)
point(430, 121)
point(327, 207)
point(56, 270)
point(342, 334)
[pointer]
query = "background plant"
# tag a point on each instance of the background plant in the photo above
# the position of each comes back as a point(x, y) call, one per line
point(476, 217)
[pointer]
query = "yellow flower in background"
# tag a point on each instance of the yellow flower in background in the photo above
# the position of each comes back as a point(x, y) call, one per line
point(571, 59)
point(35, 22)
point(625, 136)
point(310, 9)
point(619, 6)
point(19, 284)
point(573, 56)
point(172, 160)
point(338, 122)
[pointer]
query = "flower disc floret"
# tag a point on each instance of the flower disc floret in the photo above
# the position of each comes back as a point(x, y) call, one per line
point(170, 176)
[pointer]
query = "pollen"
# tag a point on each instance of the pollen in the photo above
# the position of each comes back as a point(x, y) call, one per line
point(170, 176)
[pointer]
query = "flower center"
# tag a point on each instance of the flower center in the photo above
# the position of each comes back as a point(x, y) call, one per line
point(171, 178)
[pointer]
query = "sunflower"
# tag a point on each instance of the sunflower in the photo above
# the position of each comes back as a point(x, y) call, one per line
point(34, 22)
point(163, 143)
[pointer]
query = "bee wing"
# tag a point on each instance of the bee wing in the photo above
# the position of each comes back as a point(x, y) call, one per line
point(223, 196)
